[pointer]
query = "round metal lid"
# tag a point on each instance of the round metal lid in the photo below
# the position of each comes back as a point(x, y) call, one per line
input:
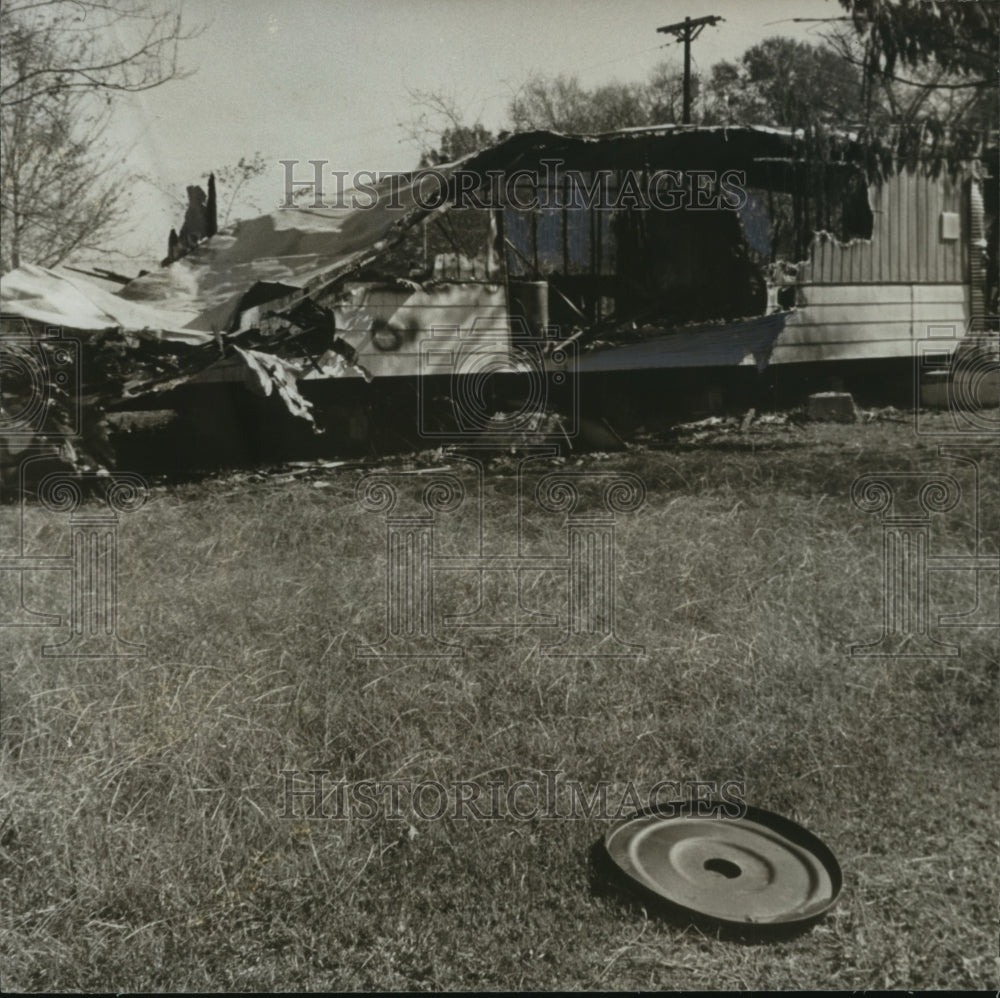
point(758, 868)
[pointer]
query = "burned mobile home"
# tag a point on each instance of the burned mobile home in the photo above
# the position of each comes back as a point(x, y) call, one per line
point(637, 274)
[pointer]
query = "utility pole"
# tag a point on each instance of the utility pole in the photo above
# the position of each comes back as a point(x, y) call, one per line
point(687, 31)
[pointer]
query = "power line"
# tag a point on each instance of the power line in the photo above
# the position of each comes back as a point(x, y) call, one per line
point(687, 31)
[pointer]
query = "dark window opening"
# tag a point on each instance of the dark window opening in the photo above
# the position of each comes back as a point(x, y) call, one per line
point(795, 202)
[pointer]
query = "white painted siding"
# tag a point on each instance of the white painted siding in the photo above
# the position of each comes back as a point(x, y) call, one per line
point(868, 321)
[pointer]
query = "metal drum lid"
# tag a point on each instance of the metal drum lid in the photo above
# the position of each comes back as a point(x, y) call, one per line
point(758, 868)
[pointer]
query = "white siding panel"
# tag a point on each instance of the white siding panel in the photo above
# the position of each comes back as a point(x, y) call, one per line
point(867, 322)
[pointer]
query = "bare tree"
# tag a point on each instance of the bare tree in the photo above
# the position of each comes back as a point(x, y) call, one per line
point(562, 104)
point(64, 63)
point(111, 46)
point(233, 179)
point(442, 129)
point(666, 93)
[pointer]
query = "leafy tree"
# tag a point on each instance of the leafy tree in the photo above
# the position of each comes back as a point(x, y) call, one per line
point(926, 94)
point(784, 83)
point(64, 63)
point(897, 62)
point(962, 39)
point(929, 64)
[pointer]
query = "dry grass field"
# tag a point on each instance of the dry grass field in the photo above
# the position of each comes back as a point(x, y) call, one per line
point(145, 843)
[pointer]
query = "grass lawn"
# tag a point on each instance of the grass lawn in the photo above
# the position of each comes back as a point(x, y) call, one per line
point(143, 845)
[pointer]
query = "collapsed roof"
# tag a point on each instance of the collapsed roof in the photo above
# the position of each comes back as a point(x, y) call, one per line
point(309, 248)
point(268, 295)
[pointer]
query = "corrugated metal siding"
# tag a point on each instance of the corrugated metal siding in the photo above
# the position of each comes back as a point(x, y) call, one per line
point(906, 245)
point(977, 261)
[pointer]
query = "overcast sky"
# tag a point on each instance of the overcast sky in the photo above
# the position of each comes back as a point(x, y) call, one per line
point(330, 79)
